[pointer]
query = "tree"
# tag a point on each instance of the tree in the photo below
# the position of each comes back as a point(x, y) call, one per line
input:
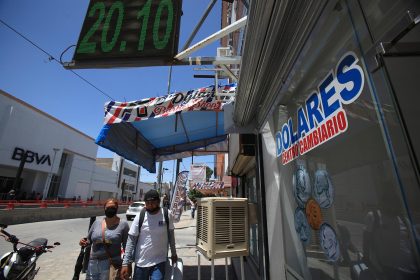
point(209, 172)
point(194, 194)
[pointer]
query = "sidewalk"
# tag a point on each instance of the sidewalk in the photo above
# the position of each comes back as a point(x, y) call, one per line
point(185, 234)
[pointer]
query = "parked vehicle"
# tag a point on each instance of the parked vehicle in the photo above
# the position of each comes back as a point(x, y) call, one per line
point(20, 264)
point(133, 209)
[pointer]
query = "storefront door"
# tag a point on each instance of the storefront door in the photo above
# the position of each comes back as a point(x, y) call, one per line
point(394, 63)
point(344, 146)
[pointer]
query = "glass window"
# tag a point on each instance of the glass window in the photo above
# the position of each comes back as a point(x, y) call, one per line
point(381, 15)
point(253, 230)
point(129, 172)
point(342, 206)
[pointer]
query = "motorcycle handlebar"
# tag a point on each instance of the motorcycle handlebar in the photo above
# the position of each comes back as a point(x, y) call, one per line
point(5, 233)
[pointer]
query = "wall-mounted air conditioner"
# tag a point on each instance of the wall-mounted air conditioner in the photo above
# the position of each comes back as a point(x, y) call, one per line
point(222, 227)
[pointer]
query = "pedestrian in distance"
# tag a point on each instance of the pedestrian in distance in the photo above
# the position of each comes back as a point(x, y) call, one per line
point(165, 201)
point(148, 238)
point(11, 195)
point(193, 207)
point(107, 236)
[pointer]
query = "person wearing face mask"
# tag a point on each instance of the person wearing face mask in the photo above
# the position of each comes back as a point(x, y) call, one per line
point(148, 238)
point(106, 236)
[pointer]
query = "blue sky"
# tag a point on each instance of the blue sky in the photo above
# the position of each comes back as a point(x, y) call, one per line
point(28, 74)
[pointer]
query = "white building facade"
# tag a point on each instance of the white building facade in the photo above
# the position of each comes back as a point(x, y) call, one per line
point(53, 159)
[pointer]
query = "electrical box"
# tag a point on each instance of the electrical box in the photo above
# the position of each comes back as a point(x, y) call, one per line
point(224, 51)
point(222, 227)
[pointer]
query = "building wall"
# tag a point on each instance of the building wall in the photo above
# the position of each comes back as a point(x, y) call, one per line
point(353, 199)
point(81, 170)
point(352, 191)
point(25, 129)
point(104, 180)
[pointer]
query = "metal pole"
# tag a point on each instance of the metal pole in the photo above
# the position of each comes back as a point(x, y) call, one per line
point(49, 177)
point(159, 176)
point(226, 268)
point(19, 171)
point(169, 79)
point(120, 173)
point(203, 18)
point(137, 182)
point(212, 269)
point(212, 38)
point(242, 267)
point(199, 266)
point(178, 165)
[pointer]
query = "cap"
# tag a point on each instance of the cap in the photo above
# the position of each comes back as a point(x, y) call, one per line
point(151, 195)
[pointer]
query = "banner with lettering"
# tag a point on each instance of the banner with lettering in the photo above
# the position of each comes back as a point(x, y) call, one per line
point(202, 99)
point(198, 173)
point(179, 195)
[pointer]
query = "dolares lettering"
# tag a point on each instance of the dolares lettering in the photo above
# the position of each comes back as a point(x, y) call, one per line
point(322, 117)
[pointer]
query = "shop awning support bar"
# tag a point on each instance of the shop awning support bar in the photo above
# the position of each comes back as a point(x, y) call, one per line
point(390, 44)
point(183, 125)
point(212, 38)
point(229, 72)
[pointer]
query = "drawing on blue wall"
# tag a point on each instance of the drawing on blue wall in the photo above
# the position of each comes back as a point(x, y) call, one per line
point(329, 242)
point(323, 189)
point(301, 186)
point(302, 227)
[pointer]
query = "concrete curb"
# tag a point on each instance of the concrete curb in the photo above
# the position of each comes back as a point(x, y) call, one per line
point(22, 216)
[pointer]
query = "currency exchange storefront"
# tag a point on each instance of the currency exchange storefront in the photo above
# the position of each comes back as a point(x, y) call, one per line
point(340, 145)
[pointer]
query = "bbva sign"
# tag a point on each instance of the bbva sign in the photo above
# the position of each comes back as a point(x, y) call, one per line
point(31, 157)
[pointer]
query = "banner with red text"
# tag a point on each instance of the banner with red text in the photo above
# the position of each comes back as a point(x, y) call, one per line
point(202, 99)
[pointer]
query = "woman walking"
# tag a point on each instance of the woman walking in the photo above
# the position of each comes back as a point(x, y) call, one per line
point(107, 237)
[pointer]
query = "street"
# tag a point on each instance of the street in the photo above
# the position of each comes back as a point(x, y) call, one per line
point(59, 264)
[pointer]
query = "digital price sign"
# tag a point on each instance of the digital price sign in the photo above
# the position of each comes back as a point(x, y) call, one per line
point(128, 33)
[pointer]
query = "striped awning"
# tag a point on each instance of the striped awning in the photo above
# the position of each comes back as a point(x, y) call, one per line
point(208, 186)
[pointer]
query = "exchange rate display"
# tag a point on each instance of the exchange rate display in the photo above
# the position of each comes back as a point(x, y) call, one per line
point(129, 33)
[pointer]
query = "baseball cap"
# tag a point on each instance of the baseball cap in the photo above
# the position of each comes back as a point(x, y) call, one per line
point(151, 195)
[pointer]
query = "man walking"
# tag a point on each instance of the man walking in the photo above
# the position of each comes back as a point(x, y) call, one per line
point(147, 242)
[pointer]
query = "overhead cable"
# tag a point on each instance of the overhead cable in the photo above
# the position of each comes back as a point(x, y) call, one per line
point(51, 57)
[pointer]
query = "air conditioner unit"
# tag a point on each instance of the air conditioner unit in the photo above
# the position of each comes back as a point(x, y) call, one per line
point(224, 51)
point(222, 227)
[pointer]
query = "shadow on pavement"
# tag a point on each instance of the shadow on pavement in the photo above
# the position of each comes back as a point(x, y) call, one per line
point(191, 272)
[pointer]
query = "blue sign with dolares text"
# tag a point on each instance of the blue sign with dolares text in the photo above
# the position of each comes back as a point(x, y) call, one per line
point(322, 117)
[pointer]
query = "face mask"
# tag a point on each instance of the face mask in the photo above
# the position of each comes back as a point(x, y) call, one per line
point(110, 212)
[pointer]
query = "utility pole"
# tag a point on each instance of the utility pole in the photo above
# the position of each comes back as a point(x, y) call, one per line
point(19, 172)
point(120, 173)
point(159, 175)
point(49, 178)
point(178, 163)
point(137, 182)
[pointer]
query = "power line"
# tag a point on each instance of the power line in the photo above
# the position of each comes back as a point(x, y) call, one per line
point(52, 58)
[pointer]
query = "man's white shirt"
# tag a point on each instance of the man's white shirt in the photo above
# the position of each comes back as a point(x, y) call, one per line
point(152, 244)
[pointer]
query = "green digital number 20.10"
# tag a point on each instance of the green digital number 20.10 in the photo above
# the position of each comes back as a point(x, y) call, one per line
point(89, 47)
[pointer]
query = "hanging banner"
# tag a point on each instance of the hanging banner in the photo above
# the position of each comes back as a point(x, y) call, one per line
point(208, 186)
point(179, 195)
point(198, 173)
point(202, 99)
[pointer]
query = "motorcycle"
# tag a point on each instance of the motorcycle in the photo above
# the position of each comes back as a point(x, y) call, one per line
point(20, 264)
